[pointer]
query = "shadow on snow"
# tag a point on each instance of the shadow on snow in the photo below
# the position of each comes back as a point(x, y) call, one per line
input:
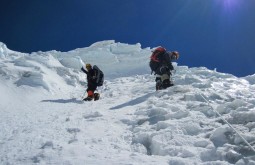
point(133, 102)
point(72, 100)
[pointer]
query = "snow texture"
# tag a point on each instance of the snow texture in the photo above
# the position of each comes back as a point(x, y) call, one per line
point(44, 120)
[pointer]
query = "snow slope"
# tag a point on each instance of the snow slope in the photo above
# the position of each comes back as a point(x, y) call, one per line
point(44, 121)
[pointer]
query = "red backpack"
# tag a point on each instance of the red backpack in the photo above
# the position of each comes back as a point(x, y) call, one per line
point(154, 59)
point(156, 53)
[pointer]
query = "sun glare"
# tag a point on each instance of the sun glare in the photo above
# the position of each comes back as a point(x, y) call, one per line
point(229, 3)
point(230, 6)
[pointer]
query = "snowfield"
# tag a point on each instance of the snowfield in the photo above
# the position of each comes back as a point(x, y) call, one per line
point(43, 119)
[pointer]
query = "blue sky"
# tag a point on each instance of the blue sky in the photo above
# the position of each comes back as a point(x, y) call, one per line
point(212, 33)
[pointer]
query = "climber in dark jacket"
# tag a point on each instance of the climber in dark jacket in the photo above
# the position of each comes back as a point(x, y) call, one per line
point(161, 65)
point(92, 85)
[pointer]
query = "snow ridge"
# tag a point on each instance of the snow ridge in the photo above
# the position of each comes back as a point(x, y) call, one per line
point(132, 123)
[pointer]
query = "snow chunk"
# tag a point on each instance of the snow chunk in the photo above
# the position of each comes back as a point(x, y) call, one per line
point(179, 114)
point(102, 43)
point(138, 147)
point(202, 143)
point(177, 161)
point(3, 50)
point(33, 79)
point(228, 107)
point(121, 48)
point(219, 136)
point(72, 62)
point(242, 117)
point(192, 128)
point(145, 140)
point(250, 79)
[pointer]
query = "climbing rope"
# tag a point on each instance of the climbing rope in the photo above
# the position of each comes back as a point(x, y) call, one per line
point(227, 123)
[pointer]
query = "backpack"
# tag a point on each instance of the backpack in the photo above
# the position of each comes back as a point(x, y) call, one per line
point(100, 76)
point(155, 59)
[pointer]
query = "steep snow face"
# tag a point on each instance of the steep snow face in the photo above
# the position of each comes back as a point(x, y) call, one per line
point(44, 121)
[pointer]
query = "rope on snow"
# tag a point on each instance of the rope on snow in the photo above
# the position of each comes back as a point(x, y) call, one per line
point(227, 123)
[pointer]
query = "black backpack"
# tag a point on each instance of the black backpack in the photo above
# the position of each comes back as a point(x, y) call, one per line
point(100, 76)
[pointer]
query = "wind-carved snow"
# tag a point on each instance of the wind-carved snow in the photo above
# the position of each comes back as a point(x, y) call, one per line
point(44, 121)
